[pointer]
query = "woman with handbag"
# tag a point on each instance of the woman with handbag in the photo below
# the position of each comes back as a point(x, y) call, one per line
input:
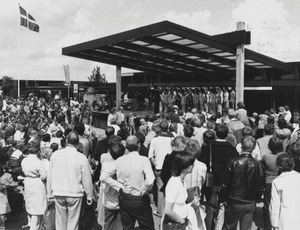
point(176, 210)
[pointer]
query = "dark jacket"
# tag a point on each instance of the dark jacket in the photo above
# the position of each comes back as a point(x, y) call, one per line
point(167, 169)
point(222, 151)
point(244, 180)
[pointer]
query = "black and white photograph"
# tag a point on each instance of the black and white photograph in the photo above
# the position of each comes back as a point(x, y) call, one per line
point(149, 115)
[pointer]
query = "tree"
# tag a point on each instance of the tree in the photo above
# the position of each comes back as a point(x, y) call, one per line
point(8, 86)
point(96, 76)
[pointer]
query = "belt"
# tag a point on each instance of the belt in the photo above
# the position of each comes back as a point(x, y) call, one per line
point(131, 196)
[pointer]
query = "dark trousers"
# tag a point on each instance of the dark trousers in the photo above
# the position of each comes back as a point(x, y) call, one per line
point(112, 219)
point(239, 212)
point(267, 198)
point(135, 208)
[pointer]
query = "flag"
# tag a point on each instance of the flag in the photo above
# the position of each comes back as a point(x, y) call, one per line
point(27, 20)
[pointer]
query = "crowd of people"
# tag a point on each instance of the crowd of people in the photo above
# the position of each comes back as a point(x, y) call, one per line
point(193, 168)
point(208, 99)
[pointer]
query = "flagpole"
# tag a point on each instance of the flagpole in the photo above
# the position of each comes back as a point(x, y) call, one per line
point(18, 57)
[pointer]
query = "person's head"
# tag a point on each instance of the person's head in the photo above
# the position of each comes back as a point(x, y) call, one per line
point(188, 131)
point(193, 148)
point(54, 147)
point(248, 144)
point(46, 137)
point(141, 137)
point(287, 107)
point(183, 163)
point(269, 129)
point(4, 158)
point(79, 128)
point(275, 145)
point(285, 162)
point(282, 124)
point(59, 134)
point(247, 131)
point(164, 125)
point(33, 146)
point(231, 114)
point(173, 127)
point(221, 131)
point(132, 143)
point(294, 149)
point(113, 139)
point(116, 150)
point(208, 136)
point(109, 131)
point(270, 120)
point(72, 138)
point(178, 143)
point(241, 105)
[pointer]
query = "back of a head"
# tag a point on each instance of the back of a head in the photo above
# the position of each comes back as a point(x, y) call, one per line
point(208, 136)
point(141, 137)
point(269, 129)
point(73, 138)
point(109, 131)
point(193, 148)
point(33, 146)
point(241, 105)
point(132, 143)
point(247, 131)
point(221, 131)
point(178, 143)
point(113, 140)
point(294, 149)
point(248, 144)
point(285, 162)
point(275, 145)
point(231, 113)
point(164, 125)
point(188, 131)
point(282, 124)
point(182, 161)
point(46, 137)
point(116, 150)
point(59, 134)
point(79, 128)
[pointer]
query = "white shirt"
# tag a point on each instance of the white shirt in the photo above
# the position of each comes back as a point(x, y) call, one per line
point(285, 201)
point(159, 147)
point(176, 193)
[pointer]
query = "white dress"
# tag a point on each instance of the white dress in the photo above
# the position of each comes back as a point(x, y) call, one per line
point(34, 187)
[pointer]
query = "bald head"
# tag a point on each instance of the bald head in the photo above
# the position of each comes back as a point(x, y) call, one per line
point(72, 138)
point(132, 143)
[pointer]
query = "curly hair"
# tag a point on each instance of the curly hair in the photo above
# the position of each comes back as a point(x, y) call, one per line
point(285, 162)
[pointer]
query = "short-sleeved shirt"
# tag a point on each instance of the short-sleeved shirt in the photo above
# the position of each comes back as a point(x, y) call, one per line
point(176, 193)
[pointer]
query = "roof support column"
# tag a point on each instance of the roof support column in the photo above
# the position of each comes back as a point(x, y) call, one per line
point(240, 67)
point(118, 86)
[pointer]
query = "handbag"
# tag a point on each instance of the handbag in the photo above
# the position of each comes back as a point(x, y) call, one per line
point(209, 182)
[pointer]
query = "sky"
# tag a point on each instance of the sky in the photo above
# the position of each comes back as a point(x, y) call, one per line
point(274, 26)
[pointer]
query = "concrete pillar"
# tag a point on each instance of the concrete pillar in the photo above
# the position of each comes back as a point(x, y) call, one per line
point(240, 67)
point(118, 86)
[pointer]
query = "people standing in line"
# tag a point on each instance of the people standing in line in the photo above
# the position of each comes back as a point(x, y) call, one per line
point(69, 179)
point(34, 186)
point(243, 185)
point(285, 199)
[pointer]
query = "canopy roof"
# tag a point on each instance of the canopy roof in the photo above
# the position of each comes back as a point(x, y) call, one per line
point(169, 48)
